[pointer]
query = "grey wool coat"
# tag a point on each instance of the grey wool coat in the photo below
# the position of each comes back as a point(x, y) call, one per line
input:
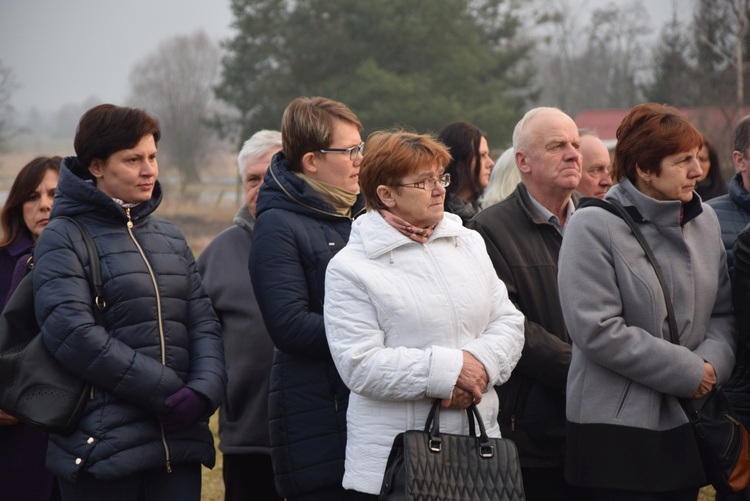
point(626, 429)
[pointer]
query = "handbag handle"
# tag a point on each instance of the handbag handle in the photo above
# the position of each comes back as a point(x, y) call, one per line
point(432, 427)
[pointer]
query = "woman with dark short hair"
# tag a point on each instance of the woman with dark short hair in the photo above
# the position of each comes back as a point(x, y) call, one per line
point(25, 214)
point(469, 168)
point(156, 365)
point(628, 436)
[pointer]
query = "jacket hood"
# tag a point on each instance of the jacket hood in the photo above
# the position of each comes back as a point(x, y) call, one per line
point(282, 189)
point(77, 194)
point(658, 212)
point(378, 237)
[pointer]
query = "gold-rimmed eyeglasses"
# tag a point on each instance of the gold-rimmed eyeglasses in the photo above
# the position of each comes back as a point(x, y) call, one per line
point(430, 183)
point(352, 152)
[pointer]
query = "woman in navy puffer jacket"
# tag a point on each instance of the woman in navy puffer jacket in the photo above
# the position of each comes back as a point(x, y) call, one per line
point(157, 365)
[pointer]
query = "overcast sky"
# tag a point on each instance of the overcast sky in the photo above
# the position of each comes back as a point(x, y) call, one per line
point(65, 51)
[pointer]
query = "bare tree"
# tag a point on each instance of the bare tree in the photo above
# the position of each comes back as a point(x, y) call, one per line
point(7, 86)
point(598, 65)
point(175, 83)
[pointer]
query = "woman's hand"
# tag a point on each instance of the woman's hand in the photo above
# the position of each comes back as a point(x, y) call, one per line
point(6, 419)
point(707, 382)
point(460, 399)
point(473, 377)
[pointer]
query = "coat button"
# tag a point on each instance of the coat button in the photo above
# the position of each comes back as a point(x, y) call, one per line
point(79, 460)
point(90, 440)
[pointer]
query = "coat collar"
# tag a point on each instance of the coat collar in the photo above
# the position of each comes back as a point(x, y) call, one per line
point(378, 237)
point(658, 212)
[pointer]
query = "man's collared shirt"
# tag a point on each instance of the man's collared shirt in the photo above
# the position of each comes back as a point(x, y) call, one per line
point(551, 217)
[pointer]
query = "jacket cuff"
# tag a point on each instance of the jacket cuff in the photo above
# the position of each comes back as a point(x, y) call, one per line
point(444, 370)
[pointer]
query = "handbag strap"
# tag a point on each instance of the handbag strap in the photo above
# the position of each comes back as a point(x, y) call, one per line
point(652, 259)
point(432, 427)
point(96, 276)
point(686, 404)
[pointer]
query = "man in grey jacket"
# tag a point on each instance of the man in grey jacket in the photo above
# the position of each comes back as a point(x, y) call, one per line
point(243, 417)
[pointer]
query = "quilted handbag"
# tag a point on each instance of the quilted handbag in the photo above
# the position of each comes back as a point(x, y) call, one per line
point(432, 466)
point(34, 387)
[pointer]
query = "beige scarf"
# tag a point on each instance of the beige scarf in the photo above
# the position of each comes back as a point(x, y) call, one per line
point(341, 200)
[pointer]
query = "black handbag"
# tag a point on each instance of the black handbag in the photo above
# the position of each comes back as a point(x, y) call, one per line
point(722, 439)
point(34, 387)
point(429, 465)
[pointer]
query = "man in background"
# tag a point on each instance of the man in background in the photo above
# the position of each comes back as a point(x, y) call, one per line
point(595, 179)
point(243, 417)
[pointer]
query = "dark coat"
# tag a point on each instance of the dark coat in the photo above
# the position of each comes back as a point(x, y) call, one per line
point(160, 332)
point(524, 249)
point(296, 235)
point(733, 211)
point(243, 418)
point(13, 264)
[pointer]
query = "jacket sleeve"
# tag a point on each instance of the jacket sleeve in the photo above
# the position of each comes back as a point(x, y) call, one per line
point(499, 346)
point(64, 310)
point(593, 309)
point(741, 286)
point(208, 374)
point(545, 357)
point(357, 345)
point(720, 343)
point(277, 270)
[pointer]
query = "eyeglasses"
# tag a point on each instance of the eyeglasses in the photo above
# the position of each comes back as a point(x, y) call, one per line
point(353, 151)
point(430, 183)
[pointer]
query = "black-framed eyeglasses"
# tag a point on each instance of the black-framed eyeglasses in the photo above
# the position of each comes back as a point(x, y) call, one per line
point(353, 151)
point(430, 183)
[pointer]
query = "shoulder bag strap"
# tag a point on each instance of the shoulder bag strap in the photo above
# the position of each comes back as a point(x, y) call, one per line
point(650, 255)
point(96, 277)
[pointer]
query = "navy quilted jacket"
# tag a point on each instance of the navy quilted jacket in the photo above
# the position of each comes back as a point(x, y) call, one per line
point(160, 332)
point(296, 235)
point(733, 211)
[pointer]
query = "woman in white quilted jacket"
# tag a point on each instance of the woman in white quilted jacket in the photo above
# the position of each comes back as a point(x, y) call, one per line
point(414, 311)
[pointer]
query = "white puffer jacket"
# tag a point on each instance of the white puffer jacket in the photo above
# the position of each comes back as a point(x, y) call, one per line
point(398, 315)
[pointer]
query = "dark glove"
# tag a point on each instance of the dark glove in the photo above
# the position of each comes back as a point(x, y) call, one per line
point(185, 407)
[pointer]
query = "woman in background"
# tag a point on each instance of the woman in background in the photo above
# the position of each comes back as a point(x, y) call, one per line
point(711, 182)
point(503, 179)
point(469, 168)
point(24, 216)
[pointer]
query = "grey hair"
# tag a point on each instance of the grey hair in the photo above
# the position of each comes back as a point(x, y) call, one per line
point(520, 135)
point(585, 131)
point(258, 146)
point(503, 179)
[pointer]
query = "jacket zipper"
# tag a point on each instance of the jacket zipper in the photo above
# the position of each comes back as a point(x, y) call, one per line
point(159, 321)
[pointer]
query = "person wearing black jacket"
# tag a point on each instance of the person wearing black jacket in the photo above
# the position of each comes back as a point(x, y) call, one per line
point(524, 234)
point(156, 365)
point(305, 209)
